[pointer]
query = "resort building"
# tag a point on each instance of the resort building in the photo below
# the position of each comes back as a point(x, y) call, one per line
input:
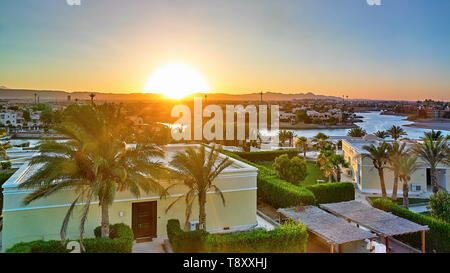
point(42, 219)
point(366, 176)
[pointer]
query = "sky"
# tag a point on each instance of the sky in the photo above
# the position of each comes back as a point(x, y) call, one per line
point(399, 50)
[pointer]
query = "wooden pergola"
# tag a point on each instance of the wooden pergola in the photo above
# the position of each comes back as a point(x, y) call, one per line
point(382, 223)
point(334, 230)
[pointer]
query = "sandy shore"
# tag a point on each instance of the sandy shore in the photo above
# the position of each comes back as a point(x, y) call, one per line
point(303, 126)
point(431, 125)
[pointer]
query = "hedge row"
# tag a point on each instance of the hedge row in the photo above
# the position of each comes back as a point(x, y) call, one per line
point(333, 192)
point(266, 155)
point(437, 238)
point(120, 241)
point(287, 238)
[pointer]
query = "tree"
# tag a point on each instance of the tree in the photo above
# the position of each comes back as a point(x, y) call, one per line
point(396, 132)
point(282, 137)
point(26, 115)
point(198, 168)
point(356, 132)
point(433, 152)
point(94, 163)
point(381, 134)
point(395, 152)
point(320, 142)
point(379, 156)
point(302, 143)
point(440, 205)
point(293, 170)
point(434, 135)
point(408, 166)
point(330, 163)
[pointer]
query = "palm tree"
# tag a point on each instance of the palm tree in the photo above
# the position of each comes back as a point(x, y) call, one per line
point(433, 152)
point(320, 141)
point(290, 137)
point(302, 143)
point(198, 168)
point(434, 135)
point(381, 134)
point(408, 166)
point(379, 156)
point(331, 162)
point(395, 152)
point(326, 165)
point(94, 163)
point(282, 137)
point(396, 132)
point(357, 132)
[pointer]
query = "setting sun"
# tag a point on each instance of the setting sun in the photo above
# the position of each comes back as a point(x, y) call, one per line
point(176, 80)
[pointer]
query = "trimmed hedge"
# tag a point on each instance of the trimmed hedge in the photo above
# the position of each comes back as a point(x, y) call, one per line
point(333, 192)
point(437, 238)
point(288, 238)
point(280, 193)
point(120, 241)
point(266, 155)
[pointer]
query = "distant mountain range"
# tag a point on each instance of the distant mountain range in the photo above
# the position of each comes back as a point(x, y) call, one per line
point(59, 96)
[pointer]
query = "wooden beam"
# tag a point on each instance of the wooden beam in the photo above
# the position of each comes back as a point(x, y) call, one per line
point(387, 244)
point(340, 248)
point(332, 248)
point(423, 241)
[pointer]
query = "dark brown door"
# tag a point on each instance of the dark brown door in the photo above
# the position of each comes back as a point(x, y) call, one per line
point(144, 220)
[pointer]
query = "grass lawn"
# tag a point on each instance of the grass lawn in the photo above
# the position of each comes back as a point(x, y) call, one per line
point(314, 173)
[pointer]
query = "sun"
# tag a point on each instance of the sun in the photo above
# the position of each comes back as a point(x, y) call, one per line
point(176, 81)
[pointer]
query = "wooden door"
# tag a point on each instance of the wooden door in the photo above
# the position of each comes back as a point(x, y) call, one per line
point(144, 220)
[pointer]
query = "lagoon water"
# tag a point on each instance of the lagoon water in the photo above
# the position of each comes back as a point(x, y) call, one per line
point(372, 122)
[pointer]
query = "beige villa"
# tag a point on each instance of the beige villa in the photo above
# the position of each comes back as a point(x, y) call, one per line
point(42, 219)
point(366, 176)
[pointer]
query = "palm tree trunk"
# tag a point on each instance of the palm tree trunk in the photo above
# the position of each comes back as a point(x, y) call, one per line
point(434, 180)
point(105, 220)
point(394, 189)
point(405, 195)
point(202, 210)
point(383, 186)
point(304, 153)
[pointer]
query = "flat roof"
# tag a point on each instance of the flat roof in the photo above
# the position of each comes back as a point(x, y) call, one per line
point(26, 170)
point(333, 229)
point(372, 218)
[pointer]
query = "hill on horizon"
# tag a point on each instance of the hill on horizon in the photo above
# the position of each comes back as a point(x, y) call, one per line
point(59, 96)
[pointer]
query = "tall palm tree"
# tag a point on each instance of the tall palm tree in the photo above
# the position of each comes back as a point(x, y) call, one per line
point(433, 152)
point(434, 135)
point(198, 168)
point(381, 134)
point(290, 137)
point(357, 132)
point(395, 152)
point(95, 163)
point(326, 165)
point(320, 141)
point(396, 132)
point(302, 143)
point(379, 156)
point(408, 166)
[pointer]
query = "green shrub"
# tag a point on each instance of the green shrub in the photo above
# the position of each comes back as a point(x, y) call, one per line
point(333, 192)
point(292, 170)
point(440, 207)
point(266, 155)
point(6, 165)
point(290, 237)
point(437, 238)
point(280, 193)
point(185, 242)
point(120, 241)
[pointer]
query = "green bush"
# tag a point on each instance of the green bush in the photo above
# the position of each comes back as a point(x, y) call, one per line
point(333, 192)
point(120, 241)
point(290, 237)
point(437, 238)
point(292, 170)
point(266, 155)
point(440, 207)
point(6, 165)
point(280, 193)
